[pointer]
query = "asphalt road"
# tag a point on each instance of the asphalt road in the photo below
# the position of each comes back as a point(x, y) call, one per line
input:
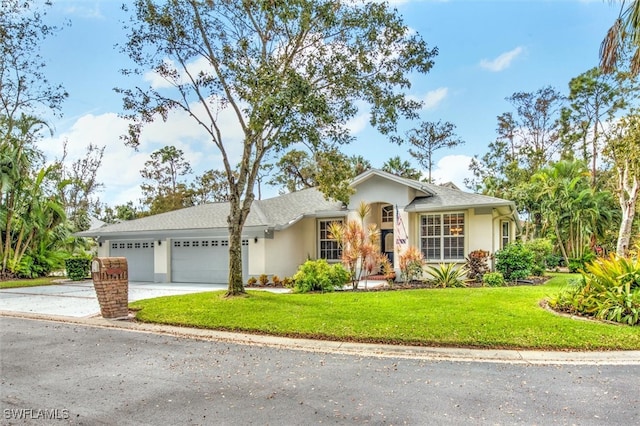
point(57, 373)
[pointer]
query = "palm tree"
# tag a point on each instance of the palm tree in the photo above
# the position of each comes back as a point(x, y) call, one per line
point(623, 34)
point(573, 210)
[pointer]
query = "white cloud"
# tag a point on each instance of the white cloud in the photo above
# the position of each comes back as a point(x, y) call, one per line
point(120, 171)
point(433, 98)
point(121, 165)
point(452, 168)
point(503, 61)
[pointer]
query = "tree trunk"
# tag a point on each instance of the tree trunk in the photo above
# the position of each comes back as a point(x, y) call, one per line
point(236, 283)
point(626, 226)
point(239, 210)
point(628, 196)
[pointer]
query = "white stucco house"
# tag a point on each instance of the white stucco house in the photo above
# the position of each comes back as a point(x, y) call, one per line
point(191, 245)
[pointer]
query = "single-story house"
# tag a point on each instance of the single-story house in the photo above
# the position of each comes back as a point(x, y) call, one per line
point(191, 245)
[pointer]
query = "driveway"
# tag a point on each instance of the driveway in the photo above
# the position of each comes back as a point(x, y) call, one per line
point(78, 299)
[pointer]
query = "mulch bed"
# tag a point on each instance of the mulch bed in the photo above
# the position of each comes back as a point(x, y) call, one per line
point(413, 285)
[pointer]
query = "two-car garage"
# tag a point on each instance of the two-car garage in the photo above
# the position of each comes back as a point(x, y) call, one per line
point(191, 260)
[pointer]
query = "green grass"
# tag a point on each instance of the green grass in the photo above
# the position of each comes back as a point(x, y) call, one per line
point(29, 282)
point(508, 317)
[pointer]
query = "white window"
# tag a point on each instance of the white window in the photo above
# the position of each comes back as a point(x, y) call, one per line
point(328, 247)
point(387, 214)
point(442, 236)
point(504, 234)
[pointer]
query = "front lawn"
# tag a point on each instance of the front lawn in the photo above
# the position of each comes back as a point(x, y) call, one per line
point(508, 317)
point(29, 282)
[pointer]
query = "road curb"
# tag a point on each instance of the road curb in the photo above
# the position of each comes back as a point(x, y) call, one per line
point(351, 348)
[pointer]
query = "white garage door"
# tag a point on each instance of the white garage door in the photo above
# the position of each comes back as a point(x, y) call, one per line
point(139, 256)
point(203, 260)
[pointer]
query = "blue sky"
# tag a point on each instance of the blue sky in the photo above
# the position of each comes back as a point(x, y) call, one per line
point(488, 50)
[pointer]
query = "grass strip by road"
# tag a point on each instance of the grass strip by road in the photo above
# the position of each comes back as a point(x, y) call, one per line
point(29, 282)
point(505, 318)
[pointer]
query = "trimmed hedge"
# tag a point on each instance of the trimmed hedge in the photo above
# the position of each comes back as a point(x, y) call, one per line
point(78, 268)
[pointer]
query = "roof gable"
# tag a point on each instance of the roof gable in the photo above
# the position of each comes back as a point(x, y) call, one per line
point(430, 197)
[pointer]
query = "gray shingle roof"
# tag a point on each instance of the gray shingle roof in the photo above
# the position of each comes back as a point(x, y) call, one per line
point(277, 212)
point(282, 211)
point(449, 198)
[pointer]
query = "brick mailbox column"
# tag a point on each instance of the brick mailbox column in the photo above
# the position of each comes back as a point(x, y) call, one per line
point(111, 280)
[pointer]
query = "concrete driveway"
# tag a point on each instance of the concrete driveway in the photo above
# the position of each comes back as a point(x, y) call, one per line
point(78, 299)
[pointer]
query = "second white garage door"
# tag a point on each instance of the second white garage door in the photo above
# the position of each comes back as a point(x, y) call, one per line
point(203, 260)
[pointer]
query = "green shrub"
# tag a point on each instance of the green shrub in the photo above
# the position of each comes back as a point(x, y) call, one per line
point(447, 275)
point(553, 261)
point(318, 275)
point(575, 265)
point(78, 268)
point(514, 261)
point(609, 290)
point(493, 279)
point(579, 264)
point(477, 264)
point(541, 249)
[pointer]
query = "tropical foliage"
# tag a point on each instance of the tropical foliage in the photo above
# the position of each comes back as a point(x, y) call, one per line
point(477, 264)
point(609, 290)
point(359, 245)
point(411, 264)
point(447, 275)
point(575, 213)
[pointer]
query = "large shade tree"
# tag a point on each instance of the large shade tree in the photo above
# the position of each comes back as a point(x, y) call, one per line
point(289, 72)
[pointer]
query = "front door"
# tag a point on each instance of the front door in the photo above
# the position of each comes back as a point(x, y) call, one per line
point(387, 243)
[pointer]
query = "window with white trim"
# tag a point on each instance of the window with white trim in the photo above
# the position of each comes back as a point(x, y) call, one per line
point(387, 214)
point(442, 236)
point(328, 247)
point(505, 233)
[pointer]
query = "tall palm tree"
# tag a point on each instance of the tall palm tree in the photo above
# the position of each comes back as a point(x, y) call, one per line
point(623, 34)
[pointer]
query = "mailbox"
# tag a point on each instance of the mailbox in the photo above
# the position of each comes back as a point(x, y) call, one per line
point(110, 277)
